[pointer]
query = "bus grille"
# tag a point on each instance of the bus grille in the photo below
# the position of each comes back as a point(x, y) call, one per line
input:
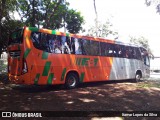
point(15, 53)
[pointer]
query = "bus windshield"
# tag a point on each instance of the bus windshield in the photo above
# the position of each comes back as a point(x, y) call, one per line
point(16, 37)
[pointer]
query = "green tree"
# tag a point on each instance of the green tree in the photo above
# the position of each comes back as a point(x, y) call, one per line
point(102, 30)
point(142, 41)
point(74, 21)
point(155, 3)
point(7, 22)
point(53, 14)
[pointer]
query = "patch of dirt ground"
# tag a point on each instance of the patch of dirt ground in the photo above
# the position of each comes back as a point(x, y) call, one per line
point(122, 95)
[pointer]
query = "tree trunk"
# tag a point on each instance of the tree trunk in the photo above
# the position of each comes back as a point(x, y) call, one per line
point(2, 8)
point(33, 14)
point(96, 19)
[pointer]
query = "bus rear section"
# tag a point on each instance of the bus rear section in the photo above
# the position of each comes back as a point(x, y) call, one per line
point(17, 65)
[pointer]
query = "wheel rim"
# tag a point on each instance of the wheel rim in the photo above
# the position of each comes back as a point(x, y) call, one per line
point(72, 81)
point(138, 77)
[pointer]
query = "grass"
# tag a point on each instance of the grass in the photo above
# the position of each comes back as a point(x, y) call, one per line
point(149, 84)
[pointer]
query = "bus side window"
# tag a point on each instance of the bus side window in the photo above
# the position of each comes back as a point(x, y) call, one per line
point(52, 39)
point(35, 36)
point(110, 50)
point(133, 53)
point(127, 52)
point(65, 45)
point(103, 47)
point(94, 48)
point(138, 53)
point(72, 45)
point(117, 51)
point(120, 51)
point(78, 46)
point(58, 45)
point(85, 47)
point(44, 43)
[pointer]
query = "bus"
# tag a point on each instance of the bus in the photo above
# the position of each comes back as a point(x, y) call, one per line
point(49, 57)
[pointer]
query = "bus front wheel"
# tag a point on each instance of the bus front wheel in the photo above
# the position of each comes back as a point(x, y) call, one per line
point(137, 77)
point(71, 81)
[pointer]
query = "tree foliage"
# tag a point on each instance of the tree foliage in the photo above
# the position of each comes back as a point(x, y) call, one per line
point(51, 14)
point(156, 3)
point(102, 30)
point(74, 21)
point(142, 41)
point(7, 23)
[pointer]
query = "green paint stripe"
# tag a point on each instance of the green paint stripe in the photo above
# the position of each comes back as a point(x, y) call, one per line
point(36, 78)
point(53, 32)
point(63, 74)
point(67, 34)
point(46, 68)
point(95, 61)
point(33, 29)
point(49, 81)
point(82, 77)
point(45, 55)
point(26, 52)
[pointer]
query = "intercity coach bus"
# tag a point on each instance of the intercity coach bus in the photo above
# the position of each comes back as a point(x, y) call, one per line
point(43, 56)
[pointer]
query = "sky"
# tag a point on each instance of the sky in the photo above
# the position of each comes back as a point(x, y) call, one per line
point(129, 18)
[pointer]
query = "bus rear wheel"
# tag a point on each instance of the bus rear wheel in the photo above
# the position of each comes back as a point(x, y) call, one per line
point(71, 81)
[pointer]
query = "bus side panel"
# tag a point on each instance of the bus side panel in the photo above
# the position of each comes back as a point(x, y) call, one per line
point(118, 69)
point(124, 68)
point(105, 65)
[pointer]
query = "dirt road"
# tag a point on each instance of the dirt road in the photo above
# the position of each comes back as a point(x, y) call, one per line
point(101, 96)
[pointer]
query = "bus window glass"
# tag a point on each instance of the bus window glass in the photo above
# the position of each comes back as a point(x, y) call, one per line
point(66, 44)
point(51, 40)
point(57, 45)
point(104, 48)
point(44, 42)
point(86, 47)
point(116, 50)
point(78, 46)
point(72, 45)
point(131, 52)
point(146, 60)
point(138, 53)
point(107, 49)
point(120, 51)
point(36, 36)
point(94, 48)
point(110, 50)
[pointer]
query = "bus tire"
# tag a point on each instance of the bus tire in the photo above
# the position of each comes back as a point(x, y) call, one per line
point(138, 77)
point(71, 81)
